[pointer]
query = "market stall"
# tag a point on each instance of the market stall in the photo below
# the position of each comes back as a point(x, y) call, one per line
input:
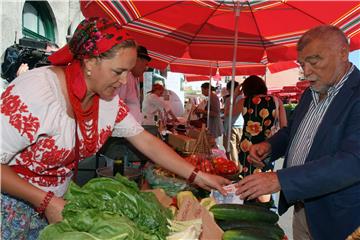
point(115, 208)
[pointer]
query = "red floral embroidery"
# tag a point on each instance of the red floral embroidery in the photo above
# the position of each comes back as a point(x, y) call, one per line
point(16, 121)
point(31, 125)
point(105, 134)
point(18, 114)
point(123, 111)
point(27, 157)
point(46, 160)
point(10, 105)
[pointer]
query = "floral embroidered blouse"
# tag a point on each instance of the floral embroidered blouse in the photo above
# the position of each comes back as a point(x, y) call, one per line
point(259, 115)
point(38, 136)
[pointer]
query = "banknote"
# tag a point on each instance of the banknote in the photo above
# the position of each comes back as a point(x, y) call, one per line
point(229, 198)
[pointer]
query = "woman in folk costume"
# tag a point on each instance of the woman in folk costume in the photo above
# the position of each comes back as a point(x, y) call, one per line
point(54, 116)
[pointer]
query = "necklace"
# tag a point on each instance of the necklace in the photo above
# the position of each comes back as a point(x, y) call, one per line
point(87, 120)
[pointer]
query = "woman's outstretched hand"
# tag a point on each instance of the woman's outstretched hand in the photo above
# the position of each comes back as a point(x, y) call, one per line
point(210, 181)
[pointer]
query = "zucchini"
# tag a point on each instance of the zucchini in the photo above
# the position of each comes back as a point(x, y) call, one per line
point(243, 213)
point(248, 234)
point(268, 227)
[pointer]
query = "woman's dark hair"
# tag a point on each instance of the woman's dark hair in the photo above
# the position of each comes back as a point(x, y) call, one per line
point(228, 85)
point(206, 86)
point(254, 85)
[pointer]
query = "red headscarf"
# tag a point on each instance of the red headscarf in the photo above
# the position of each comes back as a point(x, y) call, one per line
point(92, 37)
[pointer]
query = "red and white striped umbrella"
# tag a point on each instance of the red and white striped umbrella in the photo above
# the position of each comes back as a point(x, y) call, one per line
point(205, 29)
point(186, 64)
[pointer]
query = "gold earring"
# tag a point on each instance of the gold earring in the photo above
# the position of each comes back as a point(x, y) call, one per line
point(88, 73)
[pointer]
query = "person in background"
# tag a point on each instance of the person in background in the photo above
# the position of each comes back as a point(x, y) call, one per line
point(68, 117)
point(130, 93)
point(236, 124)
point(215, 126)
point(172, 99)
point(321, 145)
point(262, 114)
point(155, 108)
point(50, 48)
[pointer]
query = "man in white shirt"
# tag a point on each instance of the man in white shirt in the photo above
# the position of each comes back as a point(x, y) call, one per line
point(154, 106)
point(130, 92)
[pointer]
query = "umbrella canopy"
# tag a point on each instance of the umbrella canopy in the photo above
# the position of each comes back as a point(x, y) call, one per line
point(206, 28)
point(194, 77)
point(186, 64)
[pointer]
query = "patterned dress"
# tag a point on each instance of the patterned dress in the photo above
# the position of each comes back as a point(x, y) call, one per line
point(259, 116)
point(38, 140)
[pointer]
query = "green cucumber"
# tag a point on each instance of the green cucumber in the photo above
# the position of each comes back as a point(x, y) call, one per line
point(248, 234)
point(268, 227)
point(243, 213)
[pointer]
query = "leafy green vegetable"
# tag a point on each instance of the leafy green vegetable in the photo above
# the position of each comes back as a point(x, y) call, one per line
point(100, 225)
point(111, 207)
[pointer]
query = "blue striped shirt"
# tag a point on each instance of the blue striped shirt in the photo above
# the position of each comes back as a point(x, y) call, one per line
point(308, 127)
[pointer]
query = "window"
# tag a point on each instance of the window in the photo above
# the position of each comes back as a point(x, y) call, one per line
point(37, 21)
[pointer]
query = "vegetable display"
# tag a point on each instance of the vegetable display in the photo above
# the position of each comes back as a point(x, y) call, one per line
point(247, 222)
point(243, 212)
point(275, 229)
point(110, 208)
point(248, 234)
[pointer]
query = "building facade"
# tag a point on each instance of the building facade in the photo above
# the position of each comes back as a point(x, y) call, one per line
point(47, 20)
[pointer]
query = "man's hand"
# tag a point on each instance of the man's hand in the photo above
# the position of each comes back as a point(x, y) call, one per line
point(258, 184)
point(257, 153)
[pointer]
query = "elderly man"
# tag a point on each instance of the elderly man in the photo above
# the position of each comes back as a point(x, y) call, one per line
point(321, 144)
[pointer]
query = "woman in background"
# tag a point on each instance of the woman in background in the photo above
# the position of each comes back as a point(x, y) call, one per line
point(263, 115)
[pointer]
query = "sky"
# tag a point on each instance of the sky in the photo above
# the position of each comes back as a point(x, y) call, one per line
point(355, 58)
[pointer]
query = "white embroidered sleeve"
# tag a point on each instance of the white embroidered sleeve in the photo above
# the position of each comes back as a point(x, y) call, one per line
point(128, 127)
point(17, 131)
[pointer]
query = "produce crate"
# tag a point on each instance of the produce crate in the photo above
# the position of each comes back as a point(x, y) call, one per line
point(181, 143)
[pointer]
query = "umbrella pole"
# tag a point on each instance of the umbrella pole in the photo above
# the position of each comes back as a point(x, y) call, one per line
point(208, 103)
point(237, 15)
